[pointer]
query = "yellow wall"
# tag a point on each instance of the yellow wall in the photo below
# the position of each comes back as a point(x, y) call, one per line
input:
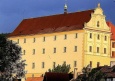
point(49, 57)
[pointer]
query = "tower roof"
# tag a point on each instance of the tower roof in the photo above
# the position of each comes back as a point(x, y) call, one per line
point(53, 23)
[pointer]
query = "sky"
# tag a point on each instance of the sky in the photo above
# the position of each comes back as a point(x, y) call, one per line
point(12, 12)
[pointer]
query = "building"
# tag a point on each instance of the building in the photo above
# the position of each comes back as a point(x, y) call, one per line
point(78, 38)
point(112, 60)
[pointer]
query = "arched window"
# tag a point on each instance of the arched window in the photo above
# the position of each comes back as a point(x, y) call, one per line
point(105, 38)
point(97, 23)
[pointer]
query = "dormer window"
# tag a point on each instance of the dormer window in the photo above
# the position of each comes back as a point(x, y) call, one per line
point(97, 23)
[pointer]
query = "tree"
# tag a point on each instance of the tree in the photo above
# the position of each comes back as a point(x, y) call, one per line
point(61, 68)
point(96, 75)
point(11, 64)
point(91, 75)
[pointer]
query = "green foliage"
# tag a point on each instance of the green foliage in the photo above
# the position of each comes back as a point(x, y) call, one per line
point(61, 68)
point(92, 75)
point(96, 75)
point(10, 59)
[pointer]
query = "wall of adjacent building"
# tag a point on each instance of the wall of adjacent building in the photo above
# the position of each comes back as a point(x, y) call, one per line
point(112, 52)
point(37, 42)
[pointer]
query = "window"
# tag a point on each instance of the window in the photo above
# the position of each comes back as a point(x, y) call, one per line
point(113, 44)
point(44, 39)
point(24, 52)
point(98, 36)
point(90, 35)
point(105, 38)
point(64, 49)
point(34, 39)
point(104, 50)
point(75, 63)
point(43, 65)
point(75, 49)
point(113, 54)
point(33, 51)
point(54, 50)
point(64, 62)
point(65, 36)
point(98, 64)
point(90, 48)
point(18, 41)
point(97, 23)
point(97, 49)
point(76, 35)
point(54, 64)
point(24, 40)
point(33, 65)
point(55, 37)
point(43, 51)
point(90, 63)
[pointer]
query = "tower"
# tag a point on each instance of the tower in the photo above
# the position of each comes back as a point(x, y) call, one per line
point(65, 8)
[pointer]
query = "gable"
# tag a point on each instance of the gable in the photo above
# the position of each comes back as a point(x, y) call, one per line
point(97, 21)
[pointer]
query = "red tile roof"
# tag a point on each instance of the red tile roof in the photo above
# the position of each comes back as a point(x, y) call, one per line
point(34, 79)
point(54, 23)
point(112, 30)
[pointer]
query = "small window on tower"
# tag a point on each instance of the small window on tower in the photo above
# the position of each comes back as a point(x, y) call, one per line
point(97, 23)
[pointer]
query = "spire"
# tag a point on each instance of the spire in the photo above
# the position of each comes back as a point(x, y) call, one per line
point(98, 5)
point(65, 8)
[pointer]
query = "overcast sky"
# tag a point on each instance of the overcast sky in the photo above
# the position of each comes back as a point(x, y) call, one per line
point(12, 12)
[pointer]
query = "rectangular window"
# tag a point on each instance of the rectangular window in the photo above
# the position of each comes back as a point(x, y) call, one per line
point(98, 37)
point(34, 40)
point(43, 51)
point(105, 38)
point(55, 37)
point(24, 52)
point(44, 39)
point(105, 51)
point(54, 50)
point(43, 65)
point(90, 63)
point(65, 36)
point(64, 62)
point(33, 51)
point(33, 65)
point(98, 64)
point(76, 35)
point(113, 44)
point(54, 64)
point(75, 49)
point(97, 49)
point(64, 49)
point(90, 48)
point(113, 54)
point(18, 41)
point(75, 63)
point(24, 40)
point(90, 35)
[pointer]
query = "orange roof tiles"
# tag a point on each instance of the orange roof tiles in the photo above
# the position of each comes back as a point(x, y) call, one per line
point(112, 30)
point(34, 79)
point(54, 23)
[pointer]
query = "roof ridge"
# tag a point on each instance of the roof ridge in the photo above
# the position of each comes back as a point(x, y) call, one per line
point(58, 14)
